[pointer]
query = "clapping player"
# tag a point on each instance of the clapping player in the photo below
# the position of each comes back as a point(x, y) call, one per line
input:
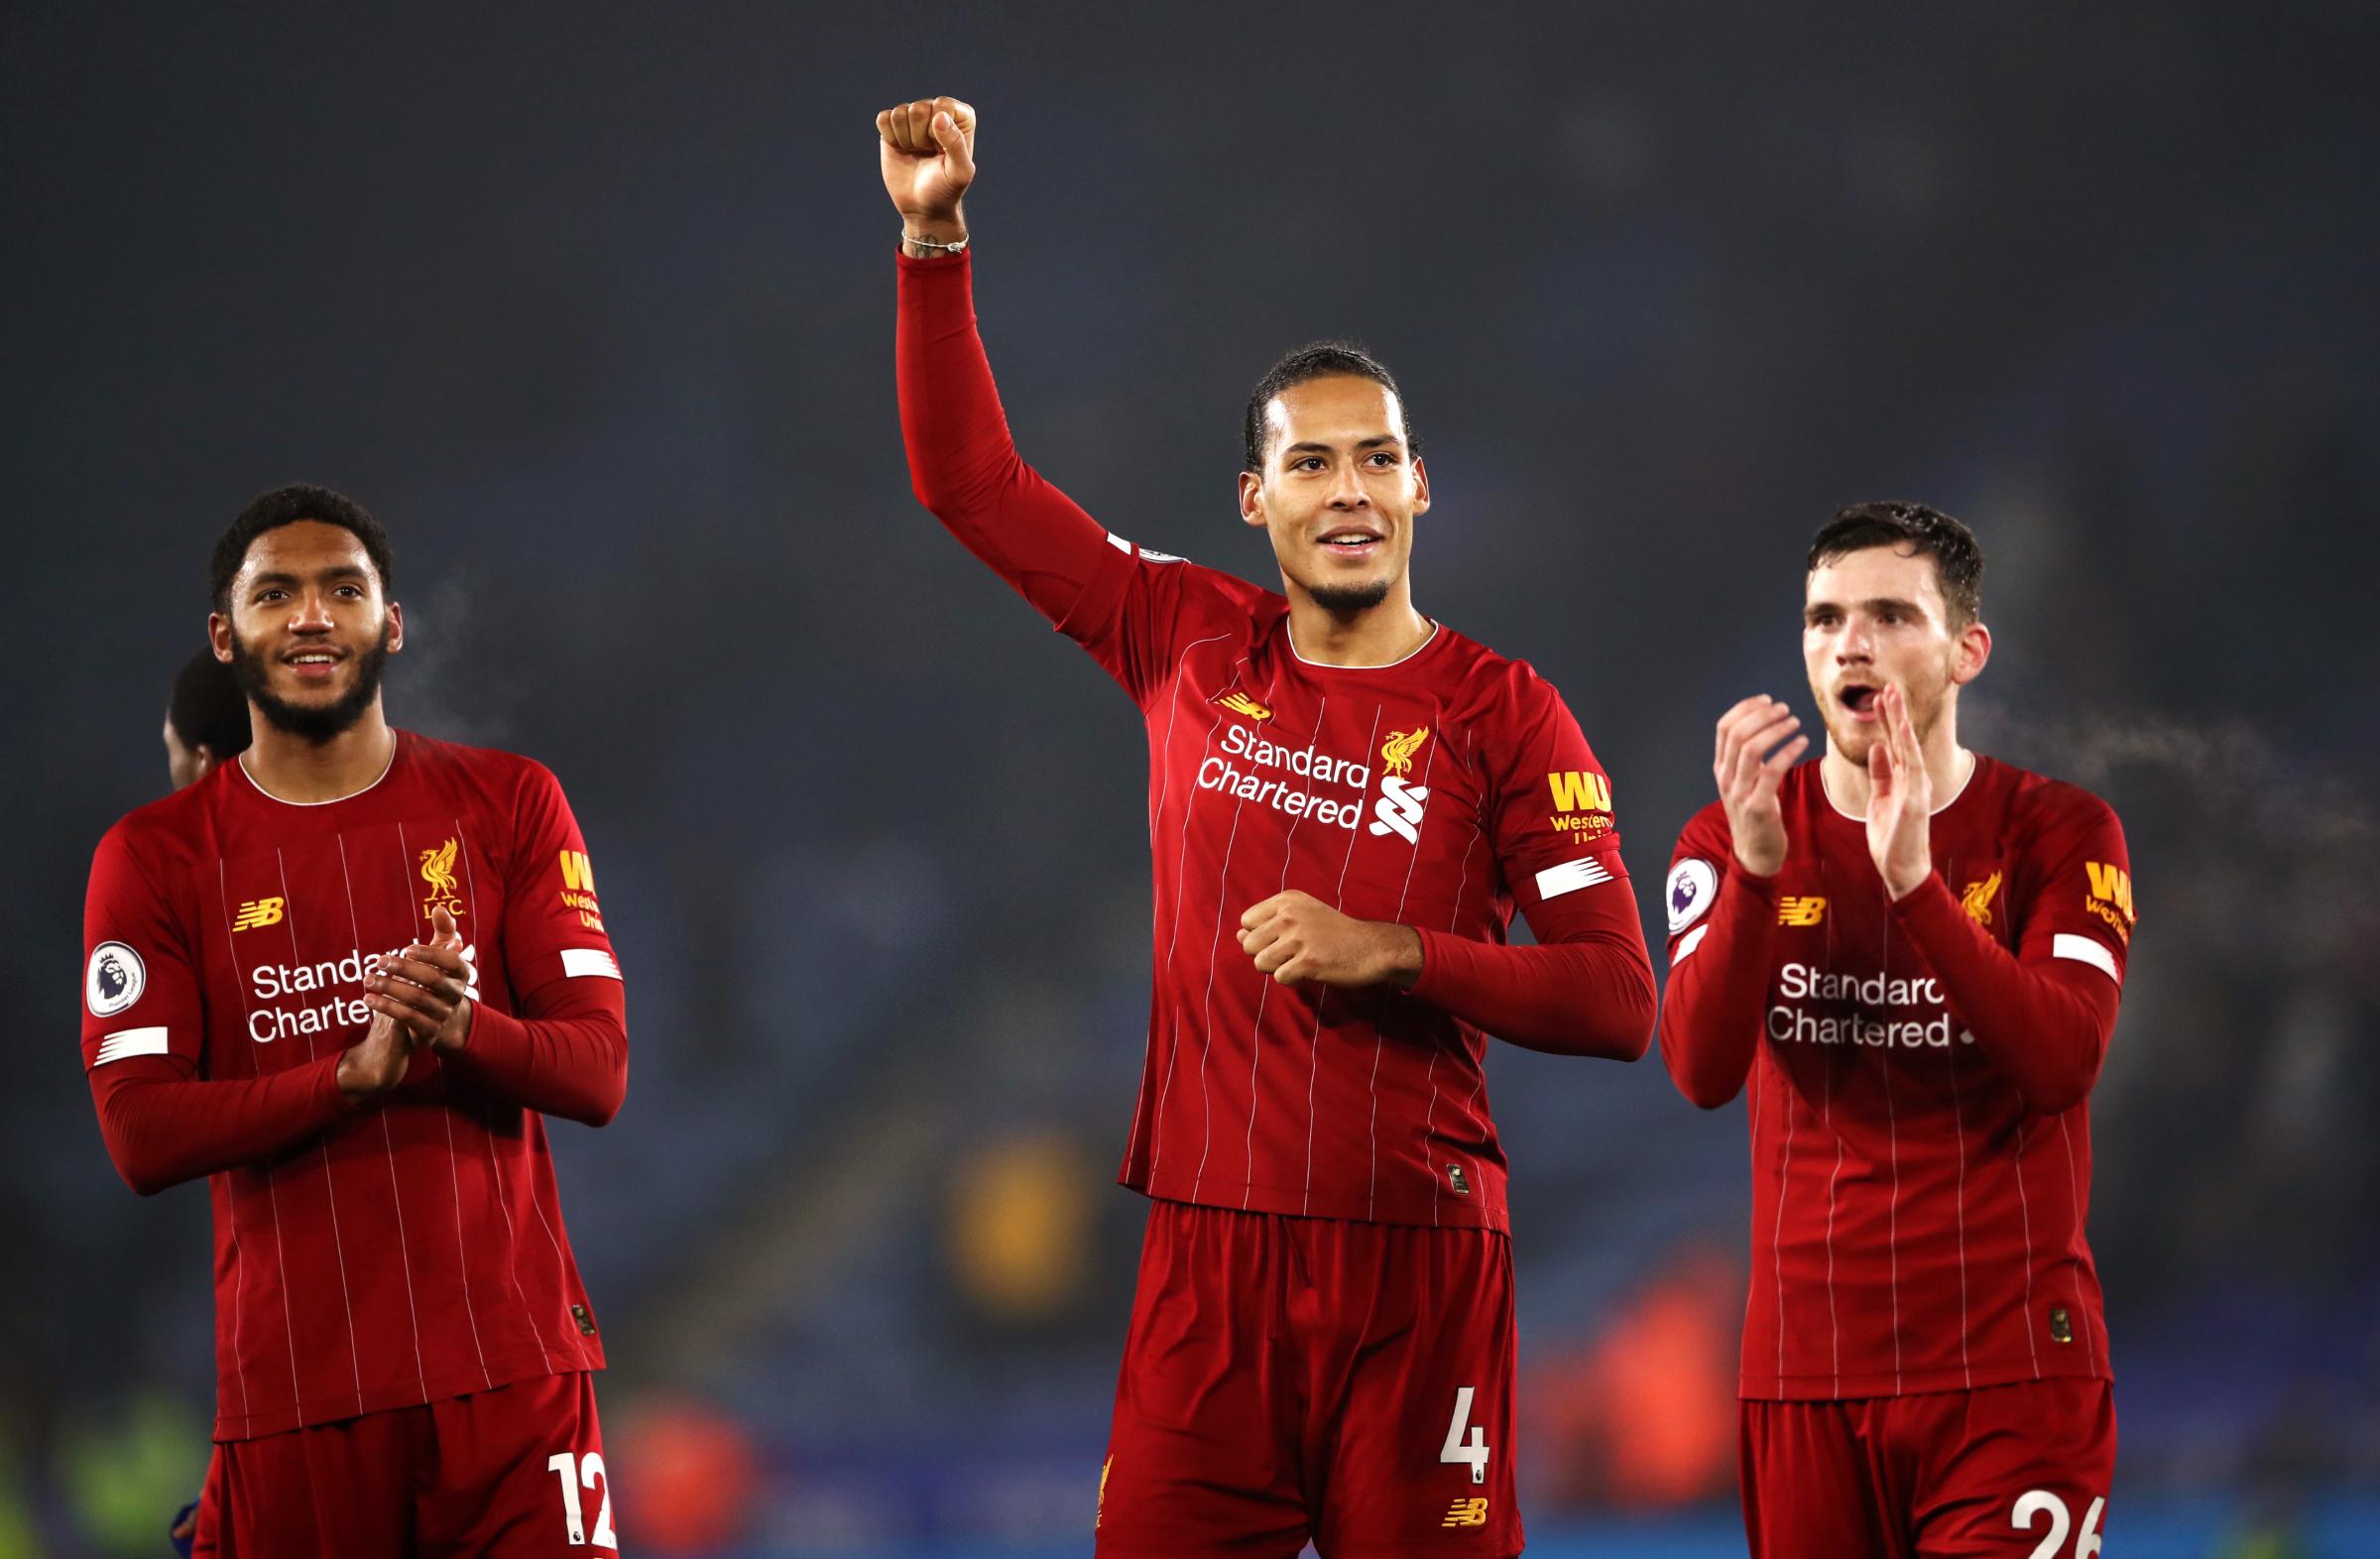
point(344, 977)
point(1911, 954)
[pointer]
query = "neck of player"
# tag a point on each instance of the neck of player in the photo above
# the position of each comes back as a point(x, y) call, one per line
point(290, 767)
point(1947, 765)
point(1380, 634)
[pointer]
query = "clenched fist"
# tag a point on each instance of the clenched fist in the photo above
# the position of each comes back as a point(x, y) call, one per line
point(1297, 940)
point(927, 149)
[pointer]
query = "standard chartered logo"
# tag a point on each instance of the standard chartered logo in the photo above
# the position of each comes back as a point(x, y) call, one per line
point(1872, 1010)
point(1306, 765)
point(1311, 774)
point(330, 979)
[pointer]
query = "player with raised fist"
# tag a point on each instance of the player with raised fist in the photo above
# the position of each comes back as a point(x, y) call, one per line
point(1348, 802)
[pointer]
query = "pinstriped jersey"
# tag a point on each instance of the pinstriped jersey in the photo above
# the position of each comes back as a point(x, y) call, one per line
point(415, 1250)
point(1915, 1226)
point(1445, 790)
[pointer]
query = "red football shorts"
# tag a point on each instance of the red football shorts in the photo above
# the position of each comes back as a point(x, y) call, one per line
point(512, 1472)
point(2013, 1470)
point(1288, 1378)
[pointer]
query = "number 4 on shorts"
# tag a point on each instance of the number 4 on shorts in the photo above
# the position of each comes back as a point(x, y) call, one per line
point(1459, 1449)
point(586, 1470)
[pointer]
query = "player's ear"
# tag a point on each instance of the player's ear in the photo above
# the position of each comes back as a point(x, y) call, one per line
point(218, 635)
point(202, 762)
point(1421, 486)
point(393, 634)
point(1969, 655)
point(1252, 498)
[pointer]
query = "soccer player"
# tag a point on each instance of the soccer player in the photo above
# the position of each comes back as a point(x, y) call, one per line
point(345, 976)
point(1346, 803)
point(207, 719)
point(1913, 954)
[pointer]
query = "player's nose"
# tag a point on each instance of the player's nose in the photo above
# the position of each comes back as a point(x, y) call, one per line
point(1347, 492)
point(314, 611)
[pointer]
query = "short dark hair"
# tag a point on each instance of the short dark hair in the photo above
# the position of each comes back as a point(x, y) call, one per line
point(1924, 533)
point(1318, 360)
point(207, 708)
point(286, 505)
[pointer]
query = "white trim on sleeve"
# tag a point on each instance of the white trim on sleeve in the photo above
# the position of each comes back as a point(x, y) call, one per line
point(1687, 944)
point(131, 1042)
point(589, 961)
point(2085, 950)
point(1571, 875)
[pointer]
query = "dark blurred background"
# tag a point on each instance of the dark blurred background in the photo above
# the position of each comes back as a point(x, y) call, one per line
point(593, 308)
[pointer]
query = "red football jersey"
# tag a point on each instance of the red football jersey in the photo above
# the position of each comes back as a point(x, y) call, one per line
point(411, 1250)
point(1917, 1221)
point(1443, 793)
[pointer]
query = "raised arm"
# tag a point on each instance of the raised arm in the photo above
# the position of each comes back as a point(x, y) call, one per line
point(963, 462)
point(1722, 897)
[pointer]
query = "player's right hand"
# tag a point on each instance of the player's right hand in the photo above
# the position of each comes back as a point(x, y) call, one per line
point(376, 1063)
point(927, 149)
point(1750, 773)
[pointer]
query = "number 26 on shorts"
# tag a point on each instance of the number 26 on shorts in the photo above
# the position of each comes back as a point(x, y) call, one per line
point(1472, 1448)
point(587, 1471)
point(2031, 1507)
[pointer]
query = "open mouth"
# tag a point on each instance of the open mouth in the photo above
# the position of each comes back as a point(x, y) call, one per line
point(313, 666)
point(1861, 702)
point(1350, 541)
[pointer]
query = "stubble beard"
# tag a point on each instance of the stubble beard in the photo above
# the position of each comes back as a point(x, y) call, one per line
point(315, 723)
point(1347, 599)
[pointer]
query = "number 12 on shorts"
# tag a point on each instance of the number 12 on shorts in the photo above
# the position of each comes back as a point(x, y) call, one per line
point(587, 1471)
point(1461, 1448)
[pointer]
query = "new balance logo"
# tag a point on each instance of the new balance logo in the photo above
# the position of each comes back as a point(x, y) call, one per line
point(259, 911)
point(1398, 811)
point(1799, 911)
point(1239, 703)
point(1466, 1512)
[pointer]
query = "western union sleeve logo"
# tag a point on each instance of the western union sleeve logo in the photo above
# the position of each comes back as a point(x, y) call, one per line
point(259, 913)
point(2110, 896)
point(579, 888)
point(1576, 791)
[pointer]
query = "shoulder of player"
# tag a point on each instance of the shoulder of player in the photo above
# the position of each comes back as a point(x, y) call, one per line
point(1707, 832)
point(1485, 682)
point(502, 780)
point(165, 829)
point(2036, 804)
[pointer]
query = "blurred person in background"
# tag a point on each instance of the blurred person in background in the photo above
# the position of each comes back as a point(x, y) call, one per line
point(1346, 803)
point(207, 719)
point(403, 1353)
point(1913, 954)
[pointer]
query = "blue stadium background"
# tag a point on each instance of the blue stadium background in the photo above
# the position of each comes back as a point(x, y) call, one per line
point(593, 307)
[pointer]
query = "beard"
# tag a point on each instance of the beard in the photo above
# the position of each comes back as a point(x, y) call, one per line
point(316, 723)
point(1350, 598)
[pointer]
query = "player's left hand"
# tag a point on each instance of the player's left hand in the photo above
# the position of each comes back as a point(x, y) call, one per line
point(1298, 939)
point(427, 988)
point(1900, 800)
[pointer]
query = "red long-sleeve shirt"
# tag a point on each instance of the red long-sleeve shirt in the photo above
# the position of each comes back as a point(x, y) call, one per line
point(1443, 792)
point(411, 1249)
point(1918, 1071)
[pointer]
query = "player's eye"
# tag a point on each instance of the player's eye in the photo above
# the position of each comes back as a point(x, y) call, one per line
point(1309, 464)
point(351, 592)
point(1383, 458)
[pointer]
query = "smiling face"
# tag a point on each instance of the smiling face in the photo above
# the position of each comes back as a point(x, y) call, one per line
point(307, 629)
point(1877, 617)
point(1339, 491)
